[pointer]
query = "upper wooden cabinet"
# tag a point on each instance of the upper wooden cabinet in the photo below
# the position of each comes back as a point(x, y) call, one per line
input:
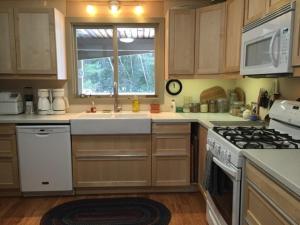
point(296, 42)
point(234, 25)
point(255, 9)
point(210, 29)
point(39, 51)
point(182, 41)
point(7, 43)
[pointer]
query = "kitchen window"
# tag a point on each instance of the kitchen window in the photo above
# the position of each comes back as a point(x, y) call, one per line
point(128, 56)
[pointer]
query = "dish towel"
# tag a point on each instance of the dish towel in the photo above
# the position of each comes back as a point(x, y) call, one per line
point(209, 174)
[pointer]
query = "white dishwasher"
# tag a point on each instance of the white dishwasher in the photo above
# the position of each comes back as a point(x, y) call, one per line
point(45, 163)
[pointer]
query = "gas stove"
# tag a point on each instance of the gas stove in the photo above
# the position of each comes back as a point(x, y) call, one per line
point(257, 138)
point(225, 160)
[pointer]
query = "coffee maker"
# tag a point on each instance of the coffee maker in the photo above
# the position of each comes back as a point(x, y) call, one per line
point(44, 102)
point(60, 102)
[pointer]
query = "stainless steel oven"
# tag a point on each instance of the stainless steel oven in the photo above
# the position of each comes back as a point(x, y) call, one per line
point(223, 199)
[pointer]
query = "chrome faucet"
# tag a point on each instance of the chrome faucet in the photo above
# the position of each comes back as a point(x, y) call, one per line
point(117, 108)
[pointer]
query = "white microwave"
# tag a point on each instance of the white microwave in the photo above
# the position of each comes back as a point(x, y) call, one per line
point(267, 44)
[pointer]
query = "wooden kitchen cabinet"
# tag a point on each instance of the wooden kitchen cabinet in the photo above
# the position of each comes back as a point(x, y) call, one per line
point(202, 156)
point(234, 25)
point(254, 9)
point(181, 41)
point(111, 161)
point(296, 41)
point(34, 44)
point(210, 30)
point(7, 43)
point(171, 154)
point(275, 4)
point(40, 42)
point(266, 202)
point(9, 176)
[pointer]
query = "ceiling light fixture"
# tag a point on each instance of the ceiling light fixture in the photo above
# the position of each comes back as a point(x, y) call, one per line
point(91, 10)
point(114, 6)
point(139, 10)
point(127, 40)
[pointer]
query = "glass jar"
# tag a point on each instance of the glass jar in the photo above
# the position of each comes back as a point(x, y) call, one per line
point(222, 105)
point(212, 106)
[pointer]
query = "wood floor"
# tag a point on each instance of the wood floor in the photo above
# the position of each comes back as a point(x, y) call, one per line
point(186, 208)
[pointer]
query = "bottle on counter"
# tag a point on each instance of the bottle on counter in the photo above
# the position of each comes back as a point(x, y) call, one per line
point(93, 107)
point(135, 104)
point(173, 106)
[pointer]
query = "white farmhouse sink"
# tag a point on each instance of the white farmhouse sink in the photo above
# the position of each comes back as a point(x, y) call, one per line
point(111, 123)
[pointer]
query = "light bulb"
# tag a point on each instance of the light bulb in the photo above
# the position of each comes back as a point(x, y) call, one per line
point(138, 10)
point(114, 7)
point(91, 10)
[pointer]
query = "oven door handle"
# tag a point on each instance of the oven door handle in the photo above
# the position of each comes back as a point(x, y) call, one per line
point(234, 173)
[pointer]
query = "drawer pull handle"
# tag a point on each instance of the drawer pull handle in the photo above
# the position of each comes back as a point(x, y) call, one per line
point(45, 182)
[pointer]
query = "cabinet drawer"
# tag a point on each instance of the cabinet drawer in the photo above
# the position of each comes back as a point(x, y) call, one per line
point(112, 171)
point(174, 144)
point(259, 211)
point(280, 197)
point(171, 128)
point(111, 145)
point(170, 170)
point(7, 129)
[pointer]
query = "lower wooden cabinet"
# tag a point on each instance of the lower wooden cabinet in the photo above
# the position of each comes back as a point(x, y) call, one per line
point(266, 202)
point(111, 160)
point(202, 155)
point(9, 176)
point(171, 154)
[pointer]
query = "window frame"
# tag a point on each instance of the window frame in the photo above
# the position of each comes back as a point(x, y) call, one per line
point(75, 22)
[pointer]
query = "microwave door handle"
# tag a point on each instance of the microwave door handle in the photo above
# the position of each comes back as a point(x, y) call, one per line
point(230, 171)
point(271, 49)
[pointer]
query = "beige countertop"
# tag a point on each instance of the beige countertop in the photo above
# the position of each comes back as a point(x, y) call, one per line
point(282, 165)
point(202, 118)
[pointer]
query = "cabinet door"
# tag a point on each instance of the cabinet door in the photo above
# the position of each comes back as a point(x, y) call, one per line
point(210, 24)
point(254, 9)
point(9, 177)
point(276, 4)
point(35, 41)
point(258, 211)
point(170, 159)
point(111, 160)
point(202, 154)
point(234, 25)
point(7, 43)
point(181, 41)
point(296, 42)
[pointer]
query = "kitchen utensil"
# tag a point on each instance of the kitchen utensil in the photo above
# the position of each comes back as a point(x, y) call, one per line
point(212, 93)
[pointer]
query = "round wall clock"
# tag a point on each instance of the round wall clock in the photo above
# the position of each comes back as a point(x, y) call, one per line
point(174, 87)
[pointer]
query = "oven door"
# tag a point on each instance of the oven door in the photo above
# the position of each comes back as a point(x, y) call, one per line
point(223, 199)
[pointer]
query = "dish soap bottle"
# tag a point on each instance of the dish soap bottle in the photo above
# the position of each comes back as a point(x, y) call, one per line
point(173, 106)
point(135, 104)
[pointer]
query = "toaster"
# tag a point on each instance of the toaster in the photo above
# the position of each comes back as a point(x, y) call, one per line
point(11, 103)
